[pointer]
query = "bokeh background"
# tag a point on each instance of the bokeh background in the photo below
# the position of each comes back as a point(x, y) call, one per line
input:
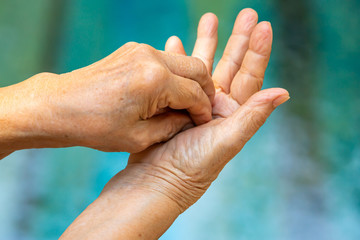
point(298, 178)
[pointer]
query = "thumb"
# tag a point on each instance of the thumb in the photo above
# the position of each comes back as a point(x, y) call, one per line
point(247, 120)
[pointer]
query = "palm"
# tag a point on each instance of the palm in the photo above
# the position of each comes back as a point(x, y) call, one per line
point(224, 104)
point(190, 157)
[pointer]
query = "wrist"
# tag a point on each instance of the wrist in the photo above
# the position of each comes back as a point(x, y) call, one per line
point(127, 208)
point(25, 115)
point(166, 184)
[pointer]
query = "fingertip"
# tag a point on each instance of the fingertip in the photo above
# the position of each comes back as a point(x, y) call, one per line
point(201, 119)
point(282, 98)
point(274, 96)
point(265, 26)
point(256, 110)
point(261, 39)
point(245, 21)
point(174, 45)
point(203, 116)
point(210, 17)
point(162, 127)
point(208, 25)
point(173, 39)
point(249, 11)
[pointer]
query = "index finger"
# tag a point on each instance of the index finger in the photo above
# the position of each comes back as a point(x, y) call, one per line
point(187, 94)
point(191, 68)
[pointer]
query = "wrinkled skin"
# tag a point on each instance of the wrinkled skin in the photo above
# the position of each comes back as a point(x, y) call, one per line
point(137, 84)
point(189, 162)
point(116, 104)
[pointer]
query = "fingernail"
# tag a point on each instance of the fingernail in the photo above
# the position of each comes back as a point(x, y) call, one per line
point(280, 100)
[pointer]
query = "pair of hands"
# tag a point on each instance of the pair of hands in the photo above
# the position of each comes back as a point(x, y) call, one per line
point(122, 102)
point(163, 180)
point(126, 102)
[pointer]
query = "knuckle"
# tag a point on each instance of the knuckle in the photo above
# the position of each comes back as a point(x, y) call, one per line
point(140, 52)
point(158, 71)
point(154, 73)
point(146, 49)
point(196, 91)
point(131, 44)
point(258, 76)
point(127, 47)
point(254, 119)
point(229, 58)
point(151, 70)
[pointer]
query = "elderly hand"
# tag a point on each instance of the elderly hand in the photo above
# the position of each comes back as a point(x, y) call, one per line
point(119, 103)
point(161, 182)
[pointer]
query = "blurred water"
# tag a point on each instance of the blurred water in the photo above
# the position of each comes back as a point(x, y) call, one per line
point(298, 178)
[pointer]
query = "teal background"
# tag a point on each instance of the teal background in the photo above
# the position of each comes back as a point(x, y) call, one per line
point(298, 178)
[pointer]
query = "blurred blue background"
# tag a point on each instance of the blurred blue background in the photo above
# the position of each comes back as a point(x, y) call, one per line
point(298, 178)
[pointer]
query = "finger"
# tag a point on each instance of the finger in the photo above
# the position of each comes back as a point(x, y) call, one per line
point(246, 121)
point(207, 39)
point(191, 68)
point(235, 49)
point(164, 126)
point(249, 79)
point(174, 45)
point(187, 94)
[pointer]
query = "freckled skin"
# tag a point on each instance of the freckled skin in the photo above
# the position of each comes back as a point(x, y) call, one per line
point(115, 104)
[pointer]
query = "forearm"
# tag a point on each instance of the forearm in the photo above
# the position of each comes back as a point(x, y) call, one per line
point(24, 116)
point(133, 205)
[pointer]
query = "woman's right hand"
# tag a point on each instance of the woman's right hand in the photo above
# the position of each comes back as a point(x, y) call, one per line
point(119, 103)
